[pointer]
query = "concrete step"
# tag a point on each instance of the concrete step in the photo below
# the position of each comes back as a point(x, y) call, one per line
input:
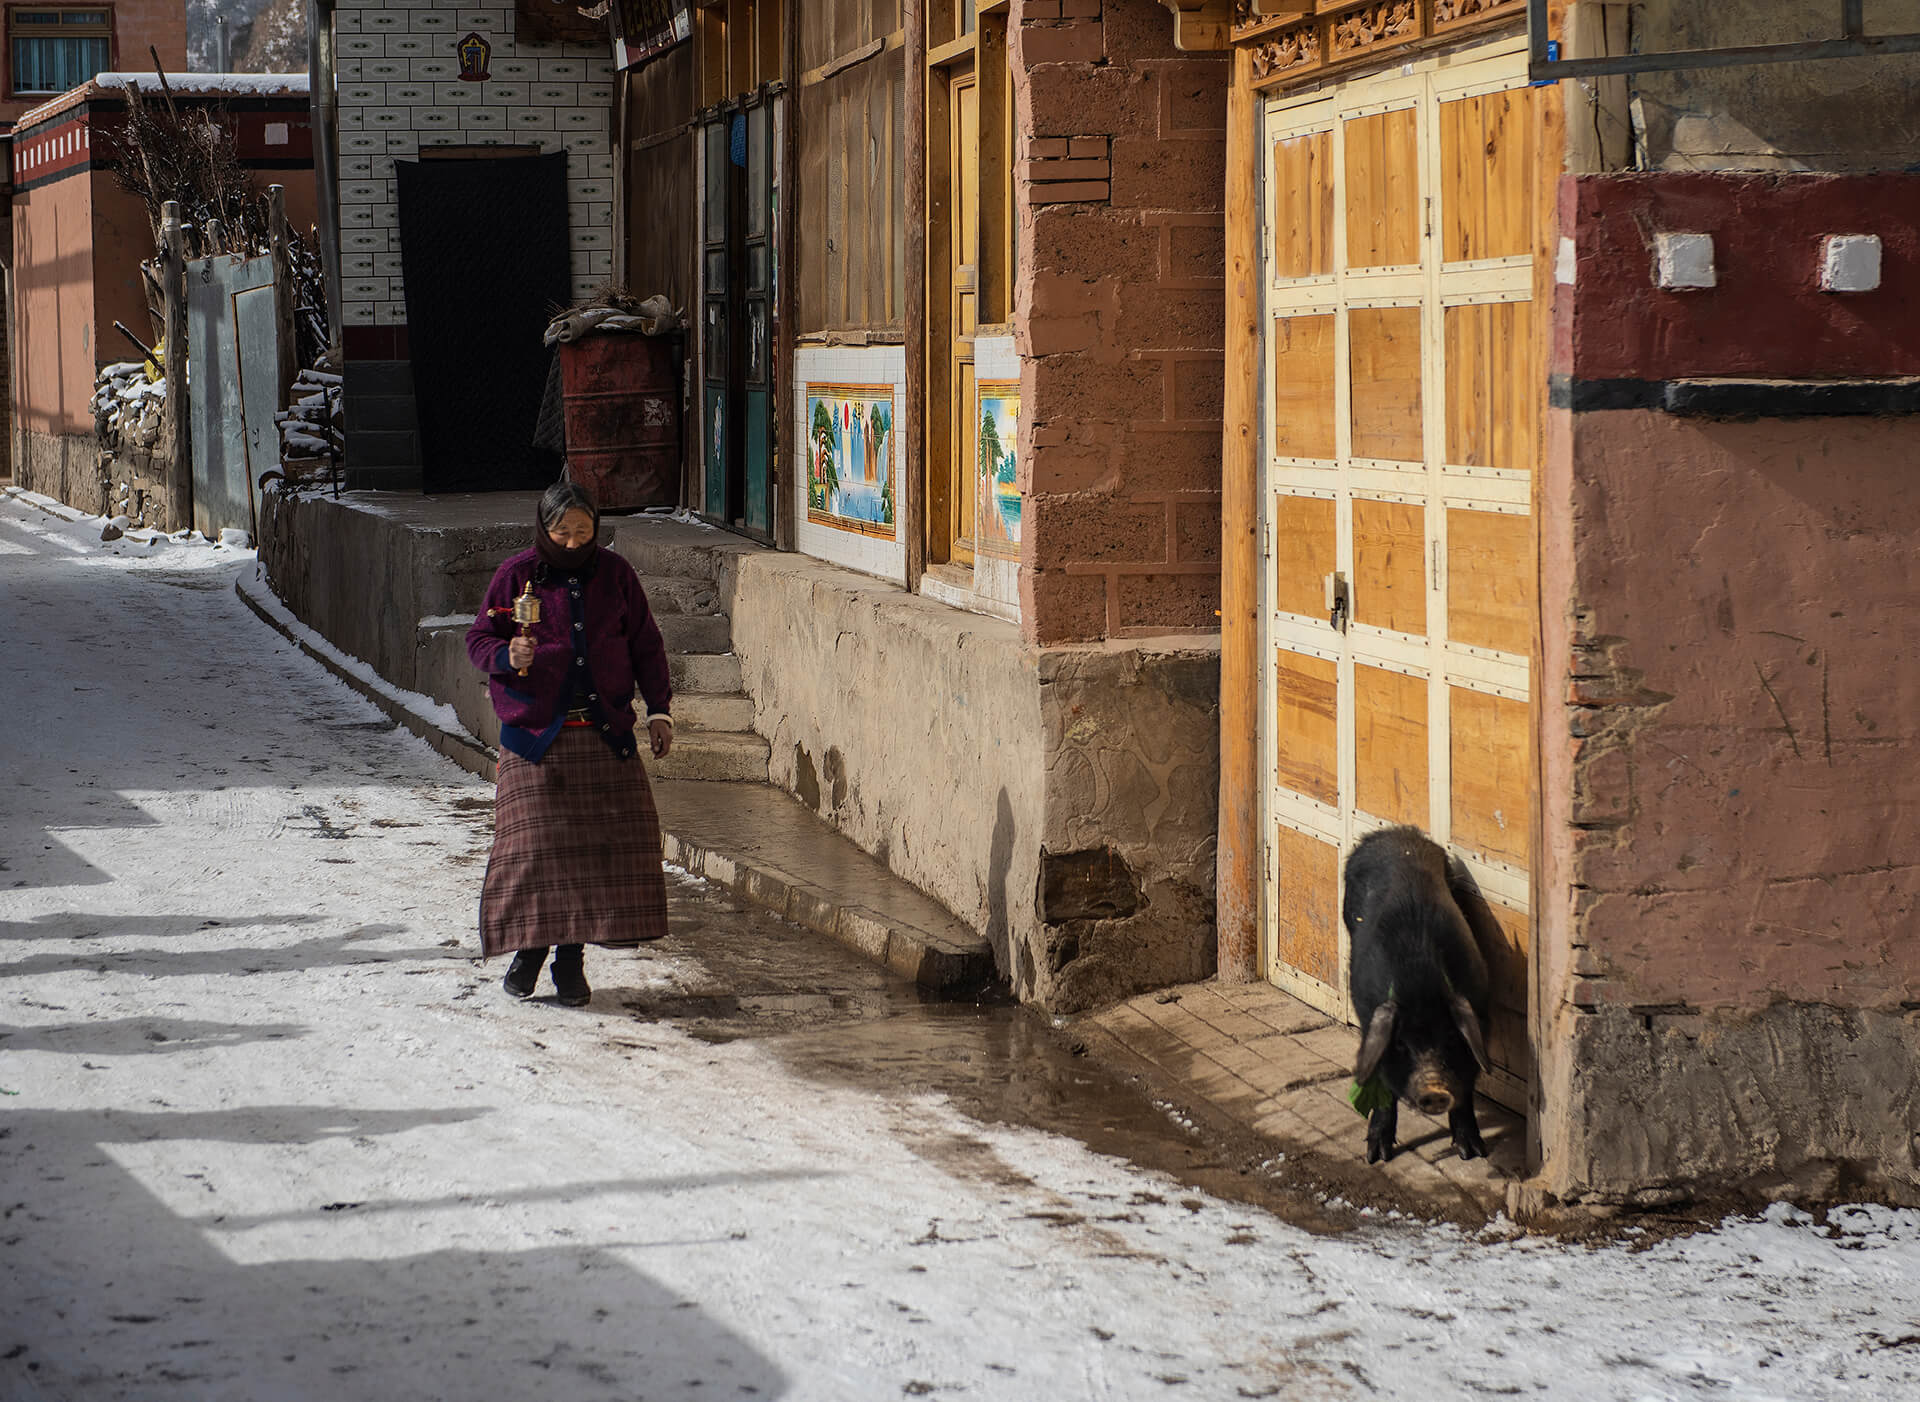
point(696, 632)
point(697, 712)
point(713, 673)
point(381, 447)
point(714, 754)
point(384, 478)
point(668, 594)
point(655, 553)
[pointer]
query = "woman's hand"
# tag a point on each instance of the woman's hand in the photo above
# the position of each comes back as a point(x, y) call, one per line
point(520, 653)
point(662, 733)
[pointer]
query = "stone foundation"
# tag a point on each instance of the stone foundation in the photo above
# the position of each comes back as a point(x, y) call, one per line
point(64, 466)
point(1798, 1100)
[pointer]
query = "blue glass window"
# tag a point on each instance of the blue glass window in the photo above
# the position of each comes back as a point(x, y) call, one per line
point(54, 51)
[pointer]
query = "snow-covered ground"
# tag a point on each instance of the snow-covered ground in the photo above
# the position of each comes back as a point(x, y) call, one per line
point(269, 1132)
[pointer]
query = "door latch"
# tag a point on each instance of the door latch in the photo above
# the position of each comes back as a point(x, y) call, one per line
point(1339, 601)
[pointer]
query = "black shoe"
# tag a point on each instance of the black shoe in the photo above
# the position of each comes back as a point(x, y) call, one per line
point(524, 972)
point(570, 976)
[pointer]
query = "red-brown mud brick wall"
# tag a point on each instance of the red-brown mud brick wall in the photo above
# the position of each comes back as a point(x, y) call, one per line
point(1119, 315)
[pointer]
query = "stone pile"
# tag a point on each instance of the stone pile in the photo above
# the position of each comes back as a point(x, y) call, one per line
point(126, 406)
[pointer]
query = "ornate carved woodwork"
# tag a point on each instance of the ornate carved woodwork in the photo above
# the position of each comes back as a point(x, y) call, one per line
point(1291, 39)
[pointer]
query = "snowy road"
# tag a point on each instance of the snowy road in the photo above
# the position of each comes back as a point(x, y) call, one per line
point(269, 1132)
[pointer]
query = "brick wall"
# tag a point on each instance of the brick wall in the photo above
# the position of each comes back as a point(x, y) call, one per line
point(400, 90)
point(1120, 317)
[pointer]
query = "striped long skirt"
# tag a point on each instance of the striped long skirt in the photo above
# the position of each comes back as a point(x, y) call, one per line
point(576, 851)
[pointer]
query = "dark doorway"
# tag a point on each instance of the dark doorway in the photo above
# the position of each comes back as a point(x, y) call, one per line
point(484, 245)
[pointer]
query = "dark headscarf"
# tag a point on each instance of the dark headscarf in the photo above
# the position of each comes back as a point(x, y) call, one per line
point(558, 500)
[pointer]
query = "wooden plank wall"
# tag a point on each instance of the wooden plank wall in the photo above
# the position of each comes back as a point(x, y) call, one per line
point(850, 204)
point(661, 189)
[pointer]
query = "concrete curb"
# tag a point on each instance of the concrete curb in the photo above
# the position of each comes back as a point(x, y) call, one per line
point(937, 964)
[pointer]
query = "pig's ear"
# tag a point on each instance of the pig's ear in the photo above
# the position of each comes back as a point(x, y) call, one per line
point(1373, 1045)
point(1468, 1021)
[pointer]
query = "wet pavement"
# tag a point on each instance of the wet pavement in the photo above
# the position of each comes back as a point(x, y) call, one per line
point(733, 972)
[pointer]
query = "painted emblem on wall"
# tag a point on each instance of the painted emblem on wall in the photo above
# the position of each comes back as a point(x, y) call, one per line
point(850, 458)
point(474, 53)
point(997, 431)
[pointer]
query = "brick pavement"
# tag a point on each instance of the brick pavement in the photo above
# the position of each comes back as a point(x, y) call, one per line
point(1279, 1069)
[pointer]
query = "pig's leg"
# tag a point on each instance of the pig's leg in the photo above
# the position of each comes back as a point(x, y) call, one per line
point(1383, 1126)
point(1466, 1132)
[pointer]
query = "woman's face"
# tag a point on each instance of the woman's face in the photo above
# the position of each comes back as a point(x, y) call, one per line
point(572, 530)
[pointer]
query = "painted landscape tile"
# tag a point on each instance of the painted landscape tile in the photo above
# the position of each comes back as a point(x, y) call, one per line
point(850, 477)
point(998, 433)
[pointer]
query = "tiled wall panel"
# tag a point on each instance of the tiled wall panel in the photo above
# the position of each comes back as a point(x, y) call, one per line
point(400, 90)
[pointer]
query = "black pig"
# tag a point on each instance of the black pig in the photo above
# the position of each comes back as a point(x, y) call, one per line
point(1419, 984)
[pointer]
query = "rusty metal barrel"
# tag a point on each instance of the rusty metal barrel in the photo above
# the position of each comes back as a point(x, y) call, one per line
point(622, 399)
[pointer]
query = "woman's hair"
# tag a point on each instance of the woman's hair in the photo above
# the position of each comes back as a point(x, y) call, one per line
point(563, 497)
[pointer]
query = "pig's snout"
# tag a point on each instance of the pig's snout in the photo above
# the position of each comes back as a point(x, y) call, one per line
point(1435, 1100)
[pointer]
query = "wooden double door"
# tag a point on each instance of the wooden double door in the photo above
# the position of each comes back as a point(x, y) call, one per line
point(1404, 389)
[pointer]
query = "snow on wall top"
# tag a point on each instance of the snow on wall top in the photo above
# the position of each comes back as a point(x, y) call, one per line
point(181, 84)
point(212, 84)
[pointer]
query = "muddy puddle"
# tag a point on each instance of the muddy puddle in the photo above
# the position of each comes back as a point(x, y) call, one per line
point(734, 973)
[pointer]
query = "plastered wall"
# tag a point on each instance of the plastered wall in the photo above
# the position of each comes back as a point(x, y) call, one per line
point(1729, 961)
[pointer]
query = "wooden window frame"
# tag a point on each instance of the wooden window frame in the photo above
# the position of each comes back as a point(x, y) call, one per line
point(960, 38)
point(15, 94)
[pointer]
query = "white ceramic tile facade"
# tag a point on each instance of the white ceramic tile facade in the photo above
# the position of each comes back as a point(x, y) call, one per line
point(849, 365)
point(400, 90)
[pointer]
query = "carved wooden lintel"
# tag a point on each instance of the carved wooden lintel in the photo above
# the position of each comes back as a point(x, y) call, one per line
point(1292, 38)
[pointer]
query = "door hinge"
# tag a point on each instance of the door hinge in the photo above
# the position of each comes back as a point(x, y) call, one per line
point(1266, 540)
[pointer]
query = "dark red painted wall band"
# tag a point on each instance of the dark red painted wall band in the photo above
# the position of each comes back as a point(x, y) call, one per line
point(1766, 317)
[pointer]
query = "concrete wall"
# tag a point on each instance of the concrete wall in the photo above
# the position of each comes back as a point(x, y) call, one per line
point(1834, 114)
point(364, 571)
point(1729, 962)
point(1119, 319)
point(1060, 800)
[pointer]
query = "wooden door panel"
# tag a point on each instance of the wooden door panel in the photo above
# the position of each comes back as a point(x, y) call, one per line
point(1307, 725)
point(1390, 745)
point(1303, 208)
point(1508, 953)
point(1489, 157)
point(1491, 788)
point(1307, 870)
point(1490, 584)
point(1385, 371)
point(1305, 534)
point(1303, 386)
point(1493, 401)
point(1383, 189)
point(1390, 564)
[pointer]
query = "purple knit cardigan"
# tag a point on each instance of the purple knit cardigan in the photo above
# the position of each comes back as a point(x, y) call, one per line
point(595, 628)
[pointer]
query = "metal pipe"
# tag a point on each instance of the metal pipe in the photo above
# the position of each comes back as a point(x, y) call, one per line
point(1685, 59)
point(325, 105)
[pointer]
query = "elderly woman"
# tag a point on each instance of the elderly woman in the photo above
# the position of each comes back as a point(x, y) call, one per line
point(576, 840)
